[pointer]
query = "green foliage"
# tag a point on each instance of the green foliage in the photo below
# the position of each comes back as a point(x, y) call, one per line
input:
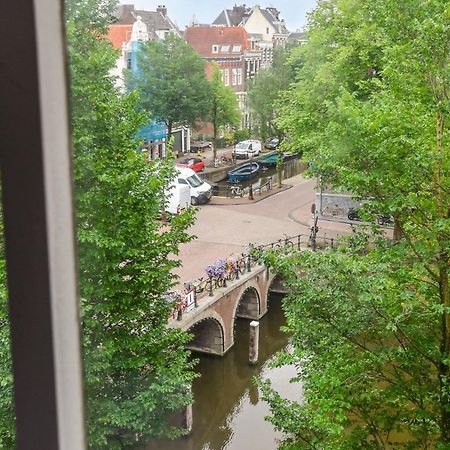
point(242, 135)
point(265, 92)
point(137, 371)
point(366, 351)
point(171, 81)
point(224, 108)
point(372, 332)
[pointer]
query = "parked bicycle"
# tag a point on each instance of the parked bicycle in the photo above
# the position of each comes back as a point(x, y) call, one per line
point(235, 191)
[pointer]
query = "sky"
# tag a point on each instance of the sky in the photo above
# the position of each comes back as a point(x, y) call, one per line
point(205, 11)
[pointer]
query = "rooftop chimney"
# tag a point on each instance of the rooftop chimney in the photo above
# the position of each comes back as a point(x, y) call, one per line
point(125, 13)
point(162, 9)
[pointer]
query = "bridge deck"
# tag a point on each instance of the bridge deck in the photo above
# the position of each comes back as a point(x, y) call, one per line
point(206, 302)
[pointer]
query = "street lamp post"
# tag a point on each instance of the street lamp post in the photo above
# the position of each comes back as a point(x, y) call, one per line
point(314, 228)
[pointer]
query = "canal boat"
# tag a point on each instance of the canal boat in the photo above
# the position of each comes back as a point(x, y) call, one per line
point(269, 160)
point(243, 172)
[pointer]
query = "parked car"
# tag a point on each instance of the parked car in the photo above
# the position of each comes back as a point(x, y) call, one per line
point(201, 191)
point(247, 149)
point(178, 198)
point(272, 143)
point(202, 146)
point(196, 164)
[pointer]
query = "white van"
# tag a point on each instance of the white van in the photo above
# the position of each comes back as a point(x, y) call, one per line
point(200, 190)
point(248, 149)
point(178, 198)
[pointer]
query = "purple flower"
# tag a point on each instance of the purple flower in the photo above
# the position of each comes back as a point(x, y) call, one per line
point(216, 269)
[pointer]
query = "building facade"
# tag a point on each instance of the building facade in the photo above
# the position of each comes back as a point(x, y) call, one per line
point(127, 39)
point(229, 47)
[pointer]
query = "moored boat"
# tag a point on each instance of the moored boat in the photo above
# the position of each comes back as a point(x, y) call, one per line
point(243, 172)
point(270, 160)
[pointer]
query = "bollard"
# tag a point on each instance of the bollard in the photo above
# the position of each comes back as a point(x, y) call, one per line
point(253, 342)
point(250, 192)
point(270, 183)
point(249, 268)
point(299, 241)
point(210, 286)
point(195, 298)
point(180, 311)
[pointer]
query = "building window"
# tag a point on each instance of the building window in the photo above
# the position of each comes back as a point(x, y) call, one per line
point(225, 48)
point(215, 49)
point(234, 77)
point(267, 30)
point(226, 77)
point(239, 76)
point(128, 54)
point(221, 76)
point(236, 48)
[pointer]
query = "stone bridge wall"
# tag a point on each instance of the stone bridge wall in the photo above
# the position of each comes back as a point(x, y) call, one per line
point(212, 322)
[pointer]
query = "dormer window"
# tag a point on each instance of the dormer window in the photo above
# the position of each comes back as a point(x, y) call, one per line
point(225, 48)
point(236, 48)
point(215, 49)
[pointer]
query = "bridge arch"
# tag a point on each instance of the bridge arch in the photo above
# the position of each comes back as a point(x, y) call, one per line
point(208, 335)
point(249, 304)
point(276, 285)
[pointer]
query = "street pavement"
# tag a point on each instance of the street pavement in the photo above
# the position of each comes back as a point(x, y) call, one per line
point(227, 229)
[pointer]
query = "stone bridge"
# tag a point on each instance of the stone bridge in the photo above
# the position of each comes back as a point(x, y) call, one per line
point(212, 321)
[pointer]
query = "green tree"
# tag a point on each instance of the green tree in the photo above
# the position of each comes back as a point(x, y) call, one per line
point(136, 369)
point(265, 91)
point(369, 107)
point(172, 82)
point(224, 109)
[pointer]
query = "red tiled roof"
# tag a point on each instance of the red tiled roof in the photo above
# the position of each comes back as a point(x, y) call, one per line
point(202, 40)
point(118, 34)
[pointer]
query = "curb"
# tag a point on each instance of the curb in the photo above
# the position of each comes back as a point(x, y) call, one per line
point(226, 201)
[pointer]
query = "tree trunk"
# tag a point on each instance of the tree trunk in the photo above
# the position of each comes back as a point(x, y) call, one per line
point(280, 168)
point(397, 230)
point(214, 140)
point(214, 123)
point(444, 293)
point(169, 143)
point(444, 367)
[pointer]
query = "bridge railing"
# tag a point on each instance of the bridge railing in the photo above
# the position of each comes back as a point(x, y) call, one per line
point(228, 270)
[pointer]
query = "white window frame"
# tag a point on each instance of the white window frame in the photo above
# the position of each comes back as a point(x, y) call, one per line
point(239, 77)
point(215, 48)
point(234, 77)
point(226, 80)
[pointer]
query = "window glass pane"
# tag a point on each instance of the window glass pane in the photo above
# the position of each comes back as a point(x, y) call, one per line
point(137, 370)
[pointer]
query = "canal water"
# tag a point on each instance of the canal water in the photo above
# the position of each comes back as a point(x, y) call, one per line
point(290, 168)
point(228, 412)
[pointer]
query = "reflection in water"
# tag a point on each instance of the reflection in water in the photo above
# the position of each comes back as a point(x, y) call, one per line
point(228, 413)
